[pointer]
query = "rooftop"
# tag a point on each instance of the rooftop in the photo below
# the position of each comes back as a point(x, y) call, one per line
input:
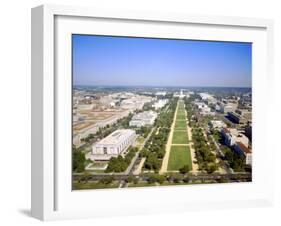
point(234, 114)
point(116, 137)
point(226, 130)
point(244, 148)
point(144, 115)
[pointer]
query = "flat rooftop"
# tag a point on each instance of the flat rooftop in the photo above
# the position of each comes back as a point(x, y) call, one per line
point(116, 137)
point(244, 148)
point(144, 115)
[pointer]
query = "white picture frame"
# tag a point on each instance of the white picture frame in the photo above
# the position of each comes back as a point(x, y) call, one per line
point(52, 197)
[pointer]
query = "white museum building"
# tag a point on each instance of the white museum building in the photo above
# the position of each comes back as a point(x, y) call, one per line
point(113, 145)
point(145, 118)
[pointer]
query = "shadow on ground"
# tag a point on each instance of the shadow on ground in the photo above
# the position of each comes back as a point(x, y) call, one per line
point(25, 212)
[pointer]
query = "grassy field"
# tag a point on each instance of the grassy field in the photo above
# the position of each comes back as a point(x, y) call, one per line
point(180, 124)
point(179, 157)
point(180, 116)
point(181, 111)
point(99, 164)
point(180, 137)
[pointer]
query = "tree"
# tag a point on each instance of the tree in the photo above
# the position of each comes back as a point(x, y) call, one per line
point(186, 179)
point(78, 162)
point(222, 180)
point(185, 169)
point(176, 178)
point(236, 161)
point(153, 178)
point(107, 180)
point(85, 178)
point(211, 168)
point(248, 168)
point(136, 180)
point(120, 164)
point(152, 162)
point(116, 164)
point(130, 179)
point(144, 152)
point(161, 153)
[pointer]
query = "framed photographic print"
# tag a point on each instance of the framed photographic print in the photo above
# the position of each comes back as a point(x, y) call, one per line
point(137, 112)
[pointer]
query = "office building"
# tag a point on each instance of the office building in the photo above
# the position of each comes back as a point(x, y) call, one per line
point(113, 145)
point(237, 118)
point(242, 149)
point(145, 118)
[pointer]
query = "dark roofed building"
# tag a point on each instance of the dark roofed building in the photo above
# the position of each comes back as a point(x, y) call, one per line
point(241, 149)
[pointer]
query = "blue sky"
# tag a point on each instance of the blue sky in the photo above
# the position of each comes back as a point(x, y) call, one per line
point(125, 61)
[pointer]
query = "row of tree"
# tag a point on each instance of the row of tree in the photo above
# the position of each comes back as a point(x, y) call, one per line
point(154, 149)
point(236, 161)
point(206, 159)
point(120, 164)
point(171, 178)
point(78, 160)
point(143, 131)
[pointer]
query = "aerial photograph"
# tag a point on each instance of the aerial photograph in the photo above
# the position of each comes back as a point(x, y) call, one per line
point(150, 112)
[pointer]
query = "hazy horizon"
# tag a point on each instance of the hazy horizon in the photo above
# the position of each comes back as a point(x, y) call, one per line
point(141, 62)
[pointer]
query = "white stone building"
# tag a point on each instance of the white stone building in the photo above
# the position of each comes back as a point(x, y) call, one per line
point(160, 93)
point(217, 124)
point(135, 102)
point(199, 104)
point(230, 107)
point(160, 103)
point(206, 96)
point(145, 118)
point(113, 145)
point(203, 108)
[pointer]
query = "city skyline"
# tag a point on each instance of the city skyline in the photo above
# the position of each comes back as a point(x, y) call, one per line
point(127, 61)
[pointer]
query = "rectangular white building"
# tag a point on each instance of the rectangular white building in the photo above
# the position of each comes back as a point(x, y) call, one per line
point(203, 108)
point(145, 118)
point(160, 103)
point(206, 96)
point(160, 93)
point(199, 104)
point(217, 124)
point(113, 145)
point(230, 107)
